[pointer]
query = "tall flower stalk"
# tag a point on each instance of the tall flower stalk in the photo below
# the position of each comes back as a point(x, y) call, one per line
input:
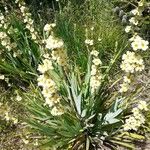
point(132, 64)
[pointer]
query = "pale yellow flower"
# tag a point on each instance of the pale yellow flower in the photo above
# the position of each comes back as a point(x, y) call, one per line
point(18, 98)
point(57, 111)
point(4, 42)
point(47, 65)
point(144, 45)
point(95, 82)
point(133, 21)
point(135, 12)
point(92, 28)
point(135, 45)
point(53, 25)
point(130, 124)
point(143, 105)
point(53, 43)
point(124, 87)
point(31, 30)
point(99, 39)
point(126, 79)
point(7, 117)
point(135, 111)
point(33, 36)
point(140, 3)
point(1, 17)
point(93, 71)
point(22, 8)
point(2, 77)
point(25, 141)
point(55, 54)
point(46, 56)
point(47, 27)
point(128, 29)
point(97, 61)
point(89, 42)
point(127, 67)
point(55, 98)
point(49, 83)
point(139, 67)
point(135, 38)
point(42, 79)
point(95, 53)
point(28, 26)
point(132, 62)
point(138, 43)
point(49, 102)
point(140, 118)
point(15, 120)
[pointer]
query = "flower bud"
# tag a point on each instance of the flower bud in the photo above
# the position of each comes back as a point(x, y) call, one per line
point(121, 13)
point(124, 21)
point(116, 9)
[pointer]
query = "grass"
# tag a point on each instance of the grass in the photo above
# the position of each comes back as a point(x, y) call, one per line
point(82, 18)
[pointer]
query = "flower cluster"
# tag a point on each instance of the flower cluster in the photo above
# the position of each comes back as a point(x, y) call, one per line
point(5, 112)
point(57, 56)
point(132, 62)
point(2, 77)
point(49, 27)
point(96, 76)
point(137, 118)
point(128, 29)
point(49, 88)
point(126, 83)
point(5, 39)
point(138, 43)
point(89, 42)
point(58, 53)
point(3, 22)
point(27, 19)
point(47, 65)
point(6, 42)
point(133, 21)
point(8, 117)
point(53, 43)
point(135, 12)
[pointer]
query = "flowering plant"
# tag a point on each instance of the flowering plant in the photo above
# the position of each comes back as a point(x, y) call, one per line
point(88, 102)
point(78, 110)
point(19, 45)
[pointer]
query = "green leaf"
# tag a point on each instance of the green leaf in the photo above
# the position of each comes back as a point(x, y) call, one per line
point(78, 103)
point(124, 144)
point(110, 117)
point(136, 136)
point(77, 98)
